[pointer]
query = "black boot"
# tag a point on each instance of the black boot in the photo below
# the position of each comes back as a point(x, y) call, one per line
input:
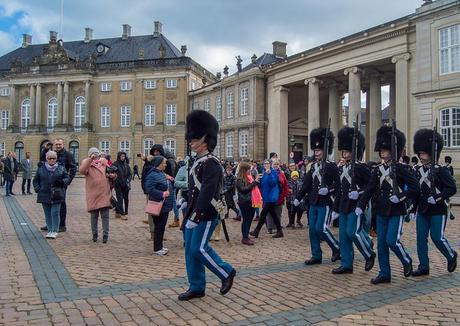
point(278, 234)
point(95, 237)
point(190, 295)
point(370, 262)
point(342, 270)
point(452, 264)
point(254, 233)
point(228, 282)
point(105, 238)
point(407, 270)
point(380, 279)
point(420, 272)
point(313, 261)
point(335, 255)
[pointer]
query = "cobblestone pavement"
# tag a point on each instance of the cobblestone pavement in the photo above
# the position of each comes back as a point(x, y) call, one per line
point(72, 280)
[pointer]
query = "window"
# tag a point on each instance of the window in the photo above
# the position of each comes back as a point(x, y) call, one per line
point(230, 105)
point(244, 143)
point(19, 150)
point(2, 149)
point(149, 115)
point(74, 147)
point(150, 84)
point(80, 113)
point(52, 114)
point(449, 49)
point(5, 91)
point(25, 114)
point(125, 147)
point(170, 144)
point(106, 87)
point(195, 106)
point(5, 116)
point(207, 105)
point(171, 114)
point(126, 85)
point(450, 126)
point(216, 150)
point(171, 83)
point(244, 98)
point(229, 145)
point(125, 116)
point(218, 108)
point(193, 85)
point(148, 144)
point(105, 116)
point(104, 146)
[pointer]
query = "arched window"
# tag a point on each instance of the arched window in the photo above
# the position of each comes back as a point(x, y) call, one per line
point(125, 146)
point(80, 112)
point(104, 146)
point(74, 148)
point(450, 126)
point(52, 114)
point(148, 144)
point(19, 149)
point(25, 114)
point(170, 143)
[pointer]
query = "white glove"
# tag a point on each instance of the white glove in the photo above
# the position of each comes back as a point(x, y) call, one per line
point(296, 202)
point(353, 195)
point(431, 200)
point(412, 216)
point(323, 191)
point(358, 211)
point(190, 224)
point(394, 199)
point(335, 215)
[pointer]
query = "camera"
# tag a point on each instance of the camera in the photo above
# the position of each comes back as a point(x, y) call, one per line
point(139, 155)
point(111, 169)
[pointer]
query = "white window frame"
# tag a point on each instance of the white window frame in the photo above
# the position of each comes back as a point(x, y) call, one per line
point(2, 148)
point(125, 146)
point(25, 114)
point(52, 115)
point(5, 91)
point(126, 85)
point(170, 143)
point(447, 50)
point(171, 114)
point(207, 105)
point(105, 116)
point(244, 143)
point(125, 116)
point(230, 105)
point(150, 84)
point(244, 101)
point(104, 146)
point(148, 144)
point(149, 115)
point(447, 117)
point(106, 87)
point(195, 106)
point(80, 112)
point(171, 83)
point(229, 143)
point(218, 108)
point(5, 119)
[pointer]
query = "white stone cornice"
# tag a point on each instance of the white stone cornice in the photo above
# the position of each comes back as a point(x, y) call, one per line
point(353, 70)
point(313, 80)
point(282, 89)
point(403, 56)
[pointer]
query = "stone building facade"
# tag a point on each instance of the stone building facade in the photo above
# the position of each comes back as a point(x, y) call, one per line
point(124, 93)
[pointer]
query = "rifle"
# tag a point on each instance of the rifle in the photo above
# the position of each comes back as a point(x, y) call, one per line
point(322, 170)
point(354, 158)
point(394, 158)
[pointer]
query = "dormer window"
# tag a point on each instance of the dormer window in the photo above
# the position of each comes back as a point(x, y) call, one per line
point(101, 48)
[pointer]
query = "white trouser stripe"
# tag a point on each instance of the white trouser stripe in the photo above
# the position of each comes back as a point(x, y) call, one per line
point(360, 239)
point(398, 243)
point(326, 229)
point(206, 255)
point(443, 239)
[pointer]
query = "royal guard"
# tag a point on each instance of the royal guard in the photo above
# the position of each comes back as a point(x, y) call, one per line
point(320, 184)
point(204, 208)
point(436, 187)
point(354, 176)
point(394, 184)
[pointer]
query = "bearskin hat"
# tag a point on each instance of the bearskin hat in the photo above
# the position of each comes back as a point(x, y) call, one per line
point(201, 123)
point(383, 140)
point(317, 137)
point(423, 139)
point(345, 141)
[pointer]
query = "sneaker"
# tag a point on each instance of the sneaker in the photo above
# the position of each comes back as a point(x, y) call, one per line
point(165, 249)
point(160, 252)
point(52, 235)
point(124, 217)
point(48, 235)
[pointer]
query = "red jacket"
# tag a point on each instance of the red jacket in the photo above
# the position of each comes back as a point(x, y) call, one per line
point(284, 187)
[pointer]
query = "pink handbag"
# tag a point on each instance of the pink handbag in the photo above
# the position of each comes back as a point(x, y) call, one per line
point(153, 207)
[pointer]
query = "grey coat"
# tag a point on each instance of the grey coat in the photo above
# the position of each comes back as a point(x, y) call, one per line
point(26, 168)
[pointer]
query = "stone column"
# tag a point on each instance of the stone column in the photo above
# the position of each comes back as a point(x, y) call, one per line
point(354, 93)
point(367, 130)
point(402, 94)
point(392, 99)
point(65, 105)
point(375, 115)
point(87, 99)
point(59, 103)
point(277, 131)
point(313, 103)
point(14, 116)
point(32, 106)
point(38, 105)
point(334, 114)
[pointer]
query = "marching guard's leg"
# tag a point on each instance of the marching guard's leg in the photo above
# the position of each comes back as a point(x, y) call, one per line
point(395, 228)
point(423, 228)
point(438, 225)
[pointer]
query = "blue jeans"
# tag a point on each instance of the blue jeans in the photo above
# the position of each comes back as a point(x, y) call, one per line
point(389, 231)
point(351, 231)
point(52, 216)
point(175, 209)
point(435, 225)
point(8, 187)
point(247, 213)
point(319, 229)
point(199, 254)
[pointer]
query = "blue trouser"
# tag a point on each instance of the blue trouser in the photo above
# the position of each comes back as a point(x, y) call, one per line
point(247, 213)
point(199, 254)
point(52, 216)
point(351, 231)
point(319, 229)
point(435, 225)
point(175, 209)
point(389, 231)
point(8, 187)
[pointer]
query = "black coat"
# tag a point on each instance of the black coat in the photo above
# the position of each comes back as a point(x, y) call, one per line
point(244, 191)
point(8, 173)
point(65, 158)
point(343, 204)
point(123, 173)
point(44, 181)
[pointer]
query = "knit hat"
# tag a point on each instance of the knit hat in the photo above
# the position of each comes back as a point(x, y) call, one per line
point(157, 160)
point(93, 150)
point(294, 174)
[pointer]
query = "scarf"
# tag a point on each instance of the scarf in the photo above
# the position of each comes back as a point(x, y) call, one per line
point(51, 168)
point(256, 196)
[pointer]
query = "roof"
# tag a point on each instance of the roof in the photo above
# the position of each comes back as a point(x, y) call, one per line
point(118, 50)
point(264, 59)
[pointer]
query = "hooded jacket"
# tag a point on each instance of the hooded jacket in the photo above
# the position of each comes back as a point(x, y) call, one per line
point(123, 173)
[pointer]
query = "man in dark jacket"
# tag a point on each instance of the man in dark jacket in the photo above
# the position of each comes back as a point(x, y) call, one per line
point(229, 192)
point(122, 186)
point(10, 171)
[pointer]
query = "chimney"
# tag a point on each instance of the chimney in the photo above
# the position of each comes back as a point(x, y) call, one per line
point(183, 50)
point(126, 32)
point(279, 49)
point(158, 28)
point(53, 37)
point(26, 40)
point(88, 35)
